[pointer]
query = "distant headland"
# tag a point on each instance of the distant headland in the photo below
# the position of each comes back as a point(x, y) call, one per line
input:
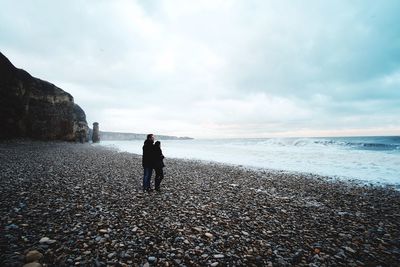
point(136, 136)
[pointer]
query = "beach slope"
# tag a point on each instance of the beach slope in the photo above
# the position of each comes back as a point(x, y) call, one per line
point(82, 205)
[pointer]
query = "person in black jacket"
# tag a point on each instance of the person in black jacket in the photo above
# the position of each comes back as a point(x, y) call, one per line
point(158, 164)
point(148, 162)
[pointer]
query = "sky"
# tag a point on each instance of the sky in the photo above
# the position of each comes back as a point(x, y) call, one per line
point(216, 69)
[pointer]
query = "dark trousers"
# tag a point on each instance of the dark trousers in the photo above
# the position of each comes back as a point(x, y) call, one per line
point(147, 172)
point(159, 177)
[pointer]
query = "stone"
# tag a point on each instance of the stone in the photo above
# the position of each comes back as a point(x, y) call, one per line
point(33, 255)
point(95, 133)
point(111, 255)
point(151, 259)
point(218, 256)
point(349, 249)
point(32, 264)
point(198, 229)
point(46, 240)
point(209, 235)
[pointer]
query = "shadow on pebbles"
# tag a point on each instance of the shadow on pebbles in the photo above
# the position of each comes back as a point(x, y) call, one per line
point(81, 205)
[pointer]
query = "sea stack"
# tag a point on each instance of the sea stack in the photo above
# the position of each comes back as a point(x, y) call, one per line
point(95, 136)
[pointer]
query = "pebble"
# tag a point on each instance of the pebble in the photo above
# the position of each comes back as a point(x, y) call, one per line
point(46, 240)
point(33, 255)
point(98, 216)
point(32, 264)
point(111, 255)
point(198, 229)
point(349, 249)
point(209, 235)
point(152, 259)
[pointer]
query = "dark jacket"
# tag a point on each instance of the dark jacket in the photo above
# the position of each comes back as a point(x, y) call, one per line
point(148, 154)
point(158, 158)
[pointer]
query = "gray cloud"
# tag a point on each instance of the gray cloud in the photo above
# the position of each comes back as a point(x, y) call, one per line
point(216, 68)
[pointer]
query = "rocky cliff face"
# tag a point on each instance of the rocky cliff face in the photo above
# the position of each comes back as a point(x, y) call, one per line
point(33, 108)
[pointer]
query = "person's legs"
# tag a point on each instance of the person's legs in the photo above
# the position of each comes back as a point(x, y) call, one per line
point(146, 178)
point(159, 177)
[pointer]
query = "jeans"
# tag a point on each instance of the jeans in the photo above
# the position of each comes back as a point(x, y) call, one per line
point(147, 172)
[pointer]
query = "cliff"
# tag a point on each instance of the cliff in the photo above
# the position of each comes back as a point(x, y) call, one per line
point(33, 108)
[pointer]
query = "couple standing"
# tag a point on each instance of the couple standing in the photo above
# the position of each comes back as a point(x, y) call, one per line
point(152, 159)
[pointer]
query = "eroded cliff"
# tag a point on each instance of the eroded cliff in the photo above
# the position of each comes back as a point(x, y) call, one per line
point(33, 108)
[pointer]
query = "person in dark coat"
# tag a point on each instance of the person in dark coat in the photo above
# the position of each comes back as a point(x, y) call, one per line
point(148, 162)
point(158, 164)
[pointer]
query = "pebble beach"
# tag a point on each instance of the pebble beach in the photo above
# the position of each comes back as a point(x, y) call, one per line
point(67, 204)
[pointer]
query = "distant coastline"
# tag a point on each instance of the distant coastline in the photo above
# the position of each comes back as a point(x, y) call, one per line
point(118, 136)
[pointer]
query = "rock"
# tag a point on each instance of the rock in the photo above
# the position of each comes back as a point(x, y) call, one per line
point(32, 264)
point(95, 133)
point(35, 108)
point(214, 264)
point(349, 249)
point(33, 255)
point(46, 240)
point(209, 235)
point(111, 255)
point(11, 227)
point(218, 256)
point(151, 259)
point(198, 229)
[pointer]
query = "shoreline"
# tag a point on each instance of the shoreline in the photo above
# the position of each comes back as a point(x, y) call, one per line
point(88, 200)
point(351, 181)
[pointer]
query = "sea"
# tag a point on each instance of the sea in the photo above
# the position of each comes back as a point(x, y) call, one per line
point(371, 160)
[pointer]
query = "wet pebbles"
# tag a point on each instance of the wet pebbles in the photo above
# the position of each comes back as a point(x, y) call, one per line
point(80, 205)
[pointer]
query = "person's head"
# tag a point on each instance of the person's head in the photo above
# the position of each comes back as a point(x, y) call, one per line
point(150, 137)
point(157, 144)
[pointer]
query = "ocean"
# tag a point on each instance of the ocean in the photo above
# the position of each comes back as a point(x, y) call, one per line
point(367, 159)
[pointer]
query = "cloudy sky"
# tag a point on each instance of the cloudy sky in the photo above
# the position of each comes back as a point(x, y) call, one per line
point(216, 68)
